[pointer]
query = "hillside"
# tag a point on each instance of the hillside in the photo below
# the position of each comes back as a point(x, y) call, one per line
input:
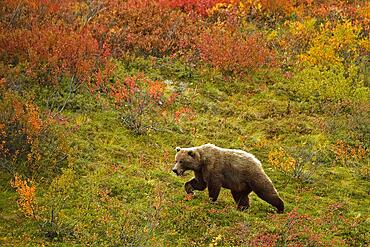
point(96, 95)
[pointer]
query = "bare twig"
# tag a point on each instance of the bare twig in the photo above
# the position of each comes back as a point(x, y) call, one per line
point(72, 81)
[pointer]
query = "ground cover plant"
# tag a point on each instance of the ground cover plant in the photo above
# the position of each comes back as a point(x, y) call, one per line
point(95, 95)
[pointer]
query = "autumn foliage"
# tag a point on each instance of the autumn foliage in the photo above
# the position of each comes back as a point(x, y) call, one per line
point(349, 154)
point(44, 42)
point(55, 52)
point(141, 101)
point(147, 28)
point(231, 52)
point(50, 40)
point(280, 160)
point(28, 143)
point(26, 191)
point(20, 126)
point(321, 51)
point(298, 229)
point(192, 6)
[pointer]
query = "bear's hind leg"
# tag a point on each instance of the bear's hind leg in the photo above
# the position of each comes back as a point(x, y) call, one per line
point(241, 198)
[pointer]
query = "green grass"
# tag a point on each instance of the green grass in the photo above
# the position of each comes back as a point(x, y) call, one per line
point(118, 189)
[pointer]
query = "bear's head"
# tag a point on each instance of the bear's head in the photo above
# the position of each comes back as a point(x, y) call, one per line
point(186, 159)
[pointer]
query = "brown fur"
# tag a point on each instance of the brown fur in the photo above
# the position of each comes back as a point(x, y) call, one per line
point(232, 169)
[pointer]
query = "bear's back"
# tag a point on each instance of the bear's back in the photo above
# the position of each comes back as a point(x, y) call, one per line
point(232, 157)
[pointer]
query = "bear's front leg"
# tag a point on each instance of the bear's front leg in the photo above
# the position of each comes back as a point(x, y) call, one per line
point(214, 188)
point(194, 184)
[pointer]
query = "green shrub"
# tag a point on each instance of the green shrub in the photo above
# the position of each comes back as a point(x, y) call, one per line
point(319, 85)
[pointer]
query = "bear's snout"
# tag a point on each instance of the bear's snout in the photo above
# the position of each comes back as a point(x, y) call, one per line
point(175, 171)
point(178, 171)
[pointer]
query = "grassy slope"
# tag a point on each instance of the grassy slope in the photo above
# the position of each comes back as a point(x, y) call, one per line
point(119, 189)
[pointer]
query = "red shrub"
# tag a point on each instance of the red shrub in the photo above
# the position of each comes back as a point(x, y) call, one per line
point(234, 53)
point(52, 52)
point(265, 240)
point(27, 13)
point(297, 229)
point(283, 7)
point(357, 11)
point(136, 87)
point(184, 113)
point(141, 102)
point(145, 28)
point(195, 6)
point(47, 40)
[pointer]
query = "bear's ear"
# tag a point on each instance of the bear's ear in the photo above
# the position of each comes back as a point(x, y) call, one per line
point(191, 153)
point(178, 149)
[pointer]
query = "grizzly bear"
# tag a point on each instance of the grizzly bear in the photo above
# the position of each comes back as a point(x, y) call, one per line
point(233, 169)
